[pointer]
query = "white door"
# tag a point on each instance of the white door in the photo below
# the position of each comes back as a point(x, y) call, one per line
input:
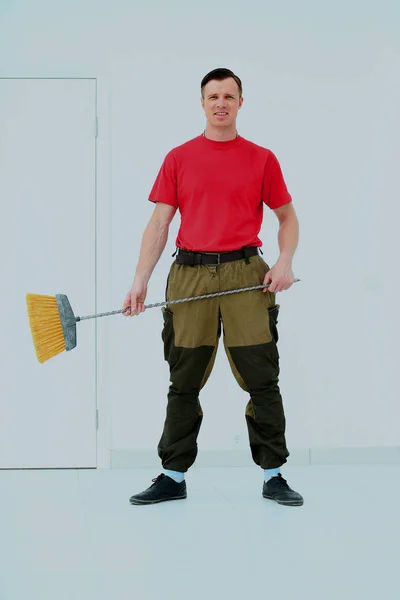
point(47, 246)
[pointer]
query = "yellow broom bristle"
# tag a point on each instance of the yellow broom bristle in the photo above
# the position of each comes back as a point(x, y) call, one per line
point(45, 325)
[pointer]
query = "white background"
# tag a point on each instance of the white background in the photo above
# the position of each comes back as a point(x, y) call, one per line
point(321, 89)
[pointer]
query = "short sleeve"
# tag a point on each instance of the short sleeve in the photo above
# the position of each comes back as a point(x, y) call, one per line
point(165, 186)
point(274, 192)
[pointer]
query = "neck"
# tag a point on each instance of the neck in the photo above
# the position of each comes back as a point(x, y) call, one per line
point(220, 134)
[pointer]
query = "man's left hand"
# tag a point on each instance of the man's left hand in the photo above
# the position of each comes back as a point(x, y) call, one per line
point(280, 278)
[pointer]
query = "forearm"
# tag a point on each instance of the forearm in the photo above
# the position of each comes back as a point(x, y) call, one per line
point(153, 243)
point(288, 239)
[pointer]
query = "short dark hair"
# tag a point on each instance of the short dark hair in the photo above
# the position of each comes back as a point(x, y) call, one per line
point(220, 75)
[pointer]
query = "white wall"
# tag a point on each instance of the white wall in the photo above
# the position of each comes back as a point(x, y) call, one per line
point(321, 89)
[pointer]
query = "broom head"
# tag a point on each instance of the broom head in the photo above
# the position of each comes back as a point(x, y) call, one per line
point(52, 324)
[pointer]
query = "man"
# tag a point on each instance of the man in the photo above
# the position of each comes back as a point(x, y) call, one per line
point(219, 182)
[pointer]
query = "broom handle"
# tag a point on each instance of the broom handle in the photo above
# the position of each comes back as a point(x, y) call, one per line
point(167, 303)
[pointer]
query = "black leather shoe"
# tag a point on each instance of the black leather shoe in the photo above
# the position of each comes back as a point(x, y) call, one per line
point(164, 488)
point(277, 489)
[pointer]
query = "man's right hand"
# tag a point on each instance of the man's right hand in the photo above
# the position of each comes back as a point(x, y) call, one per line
point(135, 298)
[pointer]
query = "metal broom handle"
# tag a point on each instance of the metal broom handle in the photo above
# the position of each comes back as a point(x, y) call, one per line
point(167, 303)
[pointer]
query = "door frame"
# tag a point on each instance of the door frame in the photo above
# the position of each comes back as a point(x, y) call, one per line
point(102, 193)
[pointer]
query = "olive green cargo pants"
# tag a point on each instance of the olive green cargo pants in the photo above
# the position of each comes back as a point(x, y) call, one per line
point(191, 334)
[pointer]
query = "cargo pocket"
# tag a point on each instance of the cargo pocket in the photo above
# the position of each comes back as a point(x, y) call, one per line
point(168, 336)
point(273, 321)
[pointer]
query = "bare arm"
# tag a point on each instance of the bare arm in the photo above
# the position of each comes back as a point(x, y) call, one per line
point(280, 276)
point(154, 239)
point(288, 235)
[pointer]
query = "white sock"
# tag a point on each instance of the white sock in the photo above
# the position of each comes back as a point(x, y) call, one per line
point(175, 475)
point(268, 473)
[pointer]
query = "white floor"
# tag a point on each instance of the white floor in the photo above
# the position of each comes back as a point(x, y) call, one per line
point(72, 535)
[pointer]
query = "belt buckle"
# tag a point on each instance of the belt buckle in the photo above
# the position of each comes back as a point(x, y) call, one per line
point(217, 254)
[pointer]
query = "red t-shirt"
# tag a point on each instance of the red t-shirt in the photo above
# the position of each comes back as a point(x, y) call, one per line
point(220, 189)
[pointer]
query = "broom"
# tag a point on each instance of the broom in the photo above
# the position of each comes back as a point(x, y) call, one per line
point(53, 323)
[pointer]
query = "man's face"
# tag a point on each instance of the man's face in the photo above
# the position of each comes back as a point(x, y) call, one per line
point(221, 102)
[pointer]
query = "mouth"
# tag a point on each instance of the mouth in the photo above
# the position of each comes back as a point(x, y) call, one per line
point(221, 114)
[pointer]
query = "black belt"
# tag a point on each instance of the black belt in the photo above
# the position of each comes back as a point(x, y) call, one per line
point(185, 257)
